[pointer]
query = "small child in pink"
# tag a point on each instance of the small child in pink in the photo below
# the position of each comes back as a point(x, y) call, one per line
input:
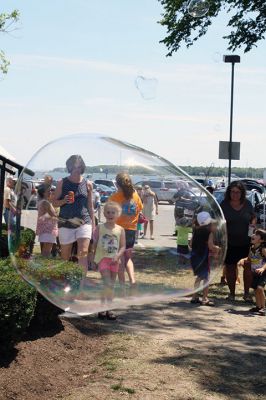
point(109, 245)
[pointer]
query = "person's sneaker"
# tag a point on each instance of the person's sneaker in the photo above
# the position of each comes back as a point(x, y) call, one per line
point(261, 311)
point(254, 309)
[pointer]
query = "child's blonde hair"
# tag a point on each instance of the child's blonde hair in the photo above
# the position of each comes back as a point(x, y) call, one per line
point(113, 204)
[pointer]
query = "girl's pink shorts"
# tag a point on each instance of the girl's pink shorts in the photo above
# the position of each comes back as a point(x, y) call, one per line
point(108, 263)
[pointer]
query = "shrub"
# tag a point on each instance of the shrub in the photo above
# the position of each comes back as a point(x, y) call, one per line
point(17, 304)
point(21, 243)
point(53, 277)
point(19, 301)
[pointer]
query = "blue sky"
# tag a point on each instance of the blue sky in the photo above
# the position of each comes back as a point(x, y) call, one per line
point(74, 66)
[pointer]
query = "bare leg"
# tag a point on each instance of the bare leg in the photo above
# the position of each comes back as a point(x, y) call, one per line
point(121, 272)
point(260, 297)
point(66, 251)
point(205, 290)
point(230, 274)
point(151, 228)
point(195, 295)
point(247, 278)
point(130, 271)
point(145, 228)
point(46, 249)
point(83, 247)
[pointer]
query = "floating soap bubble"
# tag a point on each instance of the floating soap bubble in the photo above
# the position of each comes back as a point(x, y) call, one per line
point(159, 274)
point(198, 8)
point(147, 87)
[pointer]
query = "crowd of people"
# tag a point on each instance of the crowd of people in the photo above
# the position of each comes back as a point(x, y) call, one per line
point(66, 217)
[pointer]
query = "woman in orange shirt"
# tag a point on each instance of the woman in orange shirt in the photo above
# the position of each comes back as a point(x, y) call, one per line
point(131, 205)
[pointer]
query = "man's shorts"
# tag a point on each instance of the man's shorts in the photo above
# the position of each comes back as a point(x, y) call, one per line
point(68, 236)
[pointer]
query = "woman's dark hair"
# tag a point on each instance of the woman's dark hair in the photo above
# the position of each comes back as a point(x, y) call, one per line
point(261, 233)
point(70, 162)
point(124, 182)
point(42, 189)
point(239, 185)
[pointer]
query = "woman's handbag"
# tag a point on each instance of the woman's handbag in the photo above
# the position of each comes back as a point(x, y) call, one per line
point(142, 219)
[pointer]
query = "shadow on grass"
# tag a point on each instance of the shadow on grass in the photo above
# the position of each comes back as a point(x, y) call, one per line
point(233, 371)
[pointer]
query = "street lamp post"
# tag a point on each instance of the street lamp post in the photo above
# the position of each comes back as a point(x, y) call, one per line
point(231, 59)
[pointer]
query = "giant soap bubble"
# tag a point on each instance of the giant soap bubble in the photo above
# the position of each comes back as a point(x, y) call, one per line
point(161, 275)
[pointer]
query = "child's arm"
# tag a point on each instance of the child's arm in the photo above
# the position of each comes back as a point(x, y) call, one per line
point(122, 246)
point(155, 202)
point(46, 207)
point(90, 204)
point(212, 247)
point(261, 269)
point(93, 247)
point(243, 262)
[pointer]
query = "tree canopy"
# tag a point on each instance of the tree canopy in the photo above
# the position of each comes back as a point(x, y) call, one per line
point(246, 18)
point(6, 22)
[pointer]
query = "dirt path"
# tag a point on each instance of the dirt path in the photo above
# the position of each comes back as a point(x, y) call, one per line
point(165, 351)
point(180, 351)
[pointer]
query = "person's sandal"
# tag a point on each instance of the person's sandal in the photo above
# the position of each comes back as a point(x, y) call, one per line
point(111, 316)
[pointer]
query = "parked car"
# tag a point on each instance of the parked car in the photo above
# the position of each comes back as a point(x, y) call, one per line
point(107, 182)
point(251, 184)
point(164, 189)
point(104, 191)
point(253, 196)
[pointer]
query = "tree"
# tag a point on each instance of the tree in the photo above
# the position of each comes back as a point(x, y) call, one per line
point(6, 21)
point(247, 20)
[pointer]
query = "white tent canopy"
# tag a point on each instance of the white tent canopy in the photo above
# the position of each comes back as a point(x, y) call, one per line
point(6, 154)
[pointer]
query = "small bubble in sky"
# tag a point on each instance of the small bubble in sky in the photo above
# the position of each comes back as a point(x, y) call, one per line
point(198, 8)
point(147, 87)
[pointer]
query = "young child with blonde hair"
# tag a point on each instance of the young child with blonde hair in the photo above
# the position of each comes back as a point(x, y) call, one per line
point(109, 245)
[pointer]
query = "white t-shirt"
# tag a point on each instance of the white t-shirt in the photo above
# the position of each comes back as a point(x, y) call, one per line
point(10, 195)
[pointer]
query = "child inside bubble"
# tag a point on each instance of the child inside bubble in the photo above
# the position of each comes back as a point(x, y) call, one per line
point(184, 233)
point(47, 227)
point(202, 245)
point(109, 245)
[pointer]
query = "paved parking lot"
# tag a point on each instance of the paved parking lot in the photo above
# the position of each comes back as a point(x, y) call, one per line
point(163, 227)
